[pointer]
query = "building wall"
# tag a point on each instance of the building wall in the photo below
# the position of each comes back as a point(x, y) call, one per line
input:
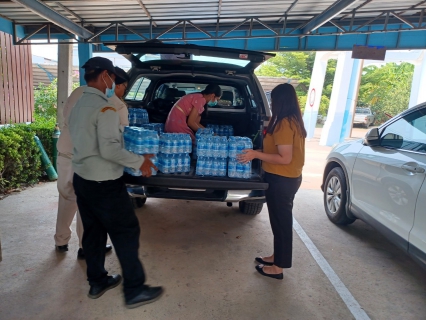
point(16, 82)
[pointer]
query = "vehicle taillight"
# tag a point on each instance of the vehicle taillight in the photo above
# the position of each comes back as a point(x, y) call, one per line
point(265, 125)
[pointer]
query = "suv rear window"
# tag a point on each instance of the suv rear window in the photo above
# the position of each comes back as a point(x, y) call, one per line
point(231, 96)
point(362, 111)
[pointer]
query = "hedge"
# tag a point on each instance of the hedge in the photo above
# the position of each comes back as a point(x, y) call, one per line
point(20, 162)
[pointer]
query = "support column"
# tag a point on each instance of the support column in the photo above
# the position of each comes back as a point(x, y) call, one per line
point(315, 93)
point(64, 79)
point(85, 52)
point(352, 99)
point(336, 112)
point(418, 94)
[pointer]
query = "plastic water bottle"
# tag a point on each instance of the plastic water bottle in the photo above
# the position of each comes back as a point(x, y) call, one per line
point(232, 147)
point(223, 167)
point(232, 168)
point(179, 165)
point(187, 163)
point(209, 166)
point(200, 166)
point(215, 167)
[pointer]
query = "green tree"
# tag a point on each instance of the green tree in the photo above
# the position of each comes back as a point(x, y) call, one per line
point(45, 100)
point(386, 89)
point(299, 65)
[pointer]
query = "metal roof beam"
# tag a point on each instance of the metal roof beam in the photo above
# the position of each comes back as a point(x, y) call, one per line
point(146, 11)
point(51, 15)
point(327, 15)
point(60, 5)
point(288, 10)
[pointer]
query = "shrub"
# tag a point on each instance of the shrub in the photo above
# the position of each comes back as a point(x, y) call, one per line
point(19, 157)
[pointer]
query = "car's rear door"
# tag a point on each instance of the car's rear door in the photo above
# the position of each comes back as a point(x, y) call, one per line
point(386, 180)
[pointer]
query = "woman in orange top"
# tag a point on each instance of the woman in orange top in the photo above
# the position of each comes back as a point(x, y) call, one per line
point(283, 157)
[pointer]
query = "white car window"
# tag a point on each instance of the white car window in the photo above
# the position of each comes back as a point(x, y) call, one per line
point(407, 133)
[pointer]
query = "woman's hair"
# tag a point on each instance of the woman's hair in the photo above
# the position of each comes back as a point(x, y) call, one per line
point(213, 88)
point(93, 74)
point(285, 106)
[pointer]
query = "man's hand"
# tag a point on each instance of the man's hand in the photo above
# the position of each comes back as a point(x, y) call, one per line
point(147, 165)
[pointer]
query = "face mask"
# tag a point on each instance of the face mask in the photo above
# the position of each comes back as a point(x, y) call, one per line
point(109, 92)
point(212, 103)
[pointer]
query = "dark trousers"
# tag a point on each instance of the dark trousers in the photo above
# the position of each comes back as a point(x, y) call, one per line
point(105, 208)
point(279, 198)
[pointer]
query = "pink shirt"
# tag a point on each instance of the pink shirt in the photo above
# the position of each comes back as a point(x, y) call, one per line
point(178, 116)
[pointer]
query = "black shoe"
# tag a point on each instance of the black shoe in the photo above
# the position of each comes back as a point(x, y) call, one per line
point(98, 290)
point(82, 256)
point(278, 276)
point(260, 260)
point(62, 248)
point(148, 295)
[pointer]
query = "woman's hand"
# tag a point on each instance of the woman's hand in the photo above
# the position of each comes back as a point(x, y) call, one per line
point(247, 155)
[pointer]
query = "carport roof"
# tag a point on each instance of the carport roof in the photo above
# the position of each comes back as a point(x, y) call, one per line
point(99, 21)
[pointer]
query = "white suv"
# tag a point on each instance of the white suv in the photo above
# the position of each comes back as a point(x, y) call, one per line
point(381, 180)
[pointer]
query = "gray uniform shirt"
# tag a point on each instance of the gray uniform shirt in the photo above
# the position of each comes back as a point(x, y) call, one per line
point(94, 125)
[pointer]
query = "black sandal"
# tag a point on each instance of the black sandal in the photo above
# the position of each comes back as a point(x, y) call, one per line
point(260, 260)
point(278, 276)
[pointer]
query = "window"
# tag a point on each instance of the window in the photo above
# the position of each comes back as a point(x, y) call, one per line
point(363, 111)
point(408, 133)
point(173, 91)
point(138, 89)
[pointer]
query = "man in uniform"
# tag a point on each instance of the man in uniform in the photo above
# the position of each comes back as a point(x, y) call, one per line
point(104, 204)
point(67, 205)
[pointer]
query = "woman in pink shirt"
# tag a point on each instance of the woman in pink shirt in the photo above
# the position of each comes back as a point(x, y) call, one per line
point(185, 115)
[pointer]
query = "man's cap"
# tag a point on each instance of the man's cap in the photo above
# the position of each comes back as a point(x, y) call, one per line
point(99, 63)
point(121, 76)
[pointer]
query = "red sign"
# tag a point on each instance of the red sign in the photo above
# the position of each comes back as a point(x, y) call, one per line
point(312, 97)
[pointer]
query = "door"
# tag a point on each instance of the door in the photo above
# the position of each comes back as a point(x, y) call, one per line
point(417, 246)
point(387, 179)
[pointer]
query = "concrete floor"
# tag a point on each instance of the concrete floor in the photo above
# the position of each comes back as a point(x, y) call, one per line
point(202, 253)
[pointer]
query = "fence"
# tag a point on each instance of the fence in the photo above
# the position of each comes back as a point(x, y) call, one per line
point(16, 82)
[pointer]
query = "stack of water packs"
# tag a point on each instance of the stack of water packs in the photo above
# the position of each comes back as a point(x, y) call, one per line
point(174, 153)
point(222, 130)
point(213, 153)
point(141, 141)
point(138, 117)
point(236, 145)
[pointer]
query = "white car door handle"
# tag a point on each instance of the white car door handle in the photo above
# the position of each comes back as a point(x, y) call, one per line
point(413, 169)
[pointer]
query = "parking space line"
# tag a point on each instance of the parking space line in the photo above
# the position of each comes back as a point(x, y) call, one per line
point(340, 287)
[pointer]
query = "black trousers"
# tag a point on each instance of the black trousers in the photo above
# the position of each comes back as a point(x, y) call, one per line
point(279, 198)
point(105, 208)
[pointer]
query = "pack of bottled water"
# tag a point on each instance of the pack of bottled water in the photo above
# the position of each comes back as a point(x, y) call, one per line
point(212, 146)
point(236, 145)
point(138, 173)
point(210, 166)
point(141, 141)
point(159, 127)
point(222, 130)
point(239, 170)
point(174, 143)
point(138, 117)
point(174, 163)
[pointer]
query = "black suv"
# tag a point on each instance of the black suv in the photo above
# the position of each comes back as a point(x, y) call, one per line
point(161, 74)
